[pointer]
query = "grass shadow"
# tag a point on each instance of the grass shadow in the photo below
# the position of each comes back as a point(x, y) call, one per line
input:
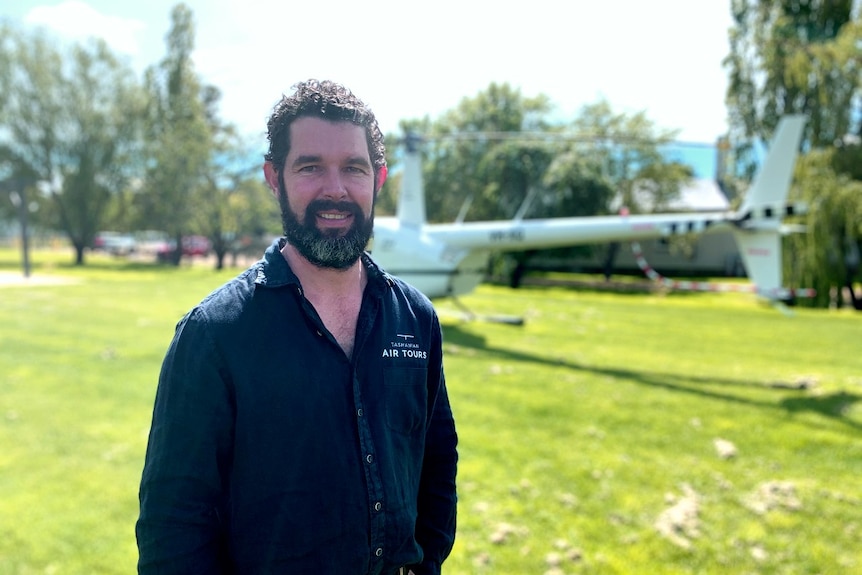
point(623, 288)
point(619, 284)
point(834, 406)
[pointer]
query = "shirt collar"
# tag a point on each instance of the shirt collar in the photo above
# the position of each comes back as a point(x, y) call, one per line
point(274, 271)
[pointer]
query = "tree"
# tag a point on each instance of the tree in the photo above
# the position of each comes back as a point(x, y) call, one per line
point(614, 160)
point(467, 148)
point(792, 56)
point(804, 56)
point(181, 126)
point(499, 148)
point(827, 256)
point(69, 124)
point(625, 151)
point(237, 206)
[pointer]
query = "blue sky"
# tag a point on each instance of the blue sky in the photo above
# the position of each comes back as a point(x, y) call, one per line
point(409, 59)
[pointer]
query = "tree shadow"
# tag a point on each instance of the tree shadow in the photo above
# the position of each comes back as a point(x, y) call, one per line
point(622, 288)
point(834, 406)
point(627, 286)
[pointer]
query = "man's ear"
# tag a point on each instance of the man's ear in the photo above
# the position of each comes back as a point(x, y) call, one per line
point(271, 176)
point(382, 172)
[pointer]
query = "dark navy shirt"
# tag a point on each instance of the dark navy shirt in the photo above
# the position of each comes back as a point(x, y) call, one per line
point(271, 451)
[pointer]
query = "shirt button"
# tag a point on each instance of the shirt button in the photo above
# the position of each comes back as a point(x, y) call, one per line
point(378, 506)
point(379, 551)
point(369, 458)
point(359, 412)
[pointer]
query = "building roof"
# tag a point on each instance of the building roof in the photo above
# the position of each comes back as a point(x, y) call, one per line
point(701, 195)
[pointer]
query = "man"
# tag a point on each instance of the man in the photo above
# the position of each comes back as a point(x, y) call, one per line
point(301, 423)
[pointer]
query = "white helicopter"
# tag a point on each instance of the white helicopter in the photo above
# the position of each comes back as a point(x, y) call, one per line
point(448, 260)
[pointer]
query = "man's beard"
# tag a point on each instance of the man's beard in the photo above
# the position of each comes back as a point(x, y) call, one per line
point(321, 248)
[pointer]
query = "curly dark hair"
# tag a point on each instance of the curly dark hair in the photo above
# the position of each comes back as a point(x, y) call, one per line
point(327, 100)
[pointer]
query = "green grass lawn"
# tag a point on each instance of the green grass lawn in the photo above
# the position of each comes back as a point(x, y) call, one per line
point(589, 436)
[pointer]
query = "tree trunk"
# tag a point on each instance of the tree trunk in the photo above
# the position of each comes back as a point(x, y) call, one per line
point(855, 300)
point(79, 254)
point(177, 254)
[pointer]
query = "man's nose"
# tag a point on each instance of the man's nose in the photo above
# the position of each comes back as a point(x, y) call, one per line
point(334, 186)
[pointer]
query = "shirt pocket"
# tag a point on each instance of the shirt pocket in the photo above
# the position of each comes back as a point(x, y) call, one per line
point(405, 396)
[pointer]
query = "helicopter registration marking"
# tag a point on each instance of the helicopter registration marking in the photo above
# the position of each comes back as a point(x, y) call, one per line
point(513, 235)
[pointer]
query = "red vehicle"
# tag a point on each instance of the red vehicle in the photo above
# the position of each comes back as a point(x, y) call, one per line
point(192, 246)
point(196, 246)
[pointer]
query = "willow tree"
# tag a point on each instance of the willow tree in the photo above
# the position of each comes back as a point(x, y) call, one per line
point(803, 57)
point(834, 226)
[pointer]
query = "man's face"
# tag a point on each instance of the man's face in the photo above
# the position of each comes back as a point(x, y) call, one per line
point(326, 192)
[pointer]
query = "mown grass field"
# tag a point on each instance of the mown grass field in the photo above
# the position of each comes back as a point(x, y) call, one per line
point(591, 436)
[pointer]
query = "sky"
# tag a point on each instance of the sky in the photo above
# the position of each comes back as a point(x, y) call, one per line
point(409, 60)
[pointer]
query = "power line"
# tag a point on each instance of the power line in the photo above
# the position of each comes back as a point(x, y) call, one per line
point(536, 136)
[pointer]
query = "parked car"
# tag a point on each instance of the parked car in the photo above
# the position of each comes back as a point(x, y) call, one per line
point(192, 246)
point(115, 243)
point(150, 242)
point(196, 246)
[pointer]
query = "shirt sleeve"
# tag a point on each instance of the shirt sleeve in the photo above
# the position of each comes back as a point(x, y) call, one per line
point(435, 525)
point(180, 528)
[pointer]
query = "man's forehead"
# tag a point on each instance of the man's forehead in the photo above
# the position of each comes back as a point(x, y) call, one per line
point(310, 131)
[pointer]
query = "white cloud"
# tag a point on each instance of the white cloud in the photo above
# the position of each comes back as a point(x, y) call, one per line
point(409, 61)
point(77, 20)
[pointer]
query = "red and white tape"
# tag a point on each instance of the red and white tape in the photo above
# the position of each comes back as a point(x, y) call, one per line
point(686, 285)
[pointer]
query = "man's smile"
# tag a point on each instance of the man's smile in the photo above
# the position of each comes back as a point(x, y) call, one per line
point(334, 220)
point(333, 216)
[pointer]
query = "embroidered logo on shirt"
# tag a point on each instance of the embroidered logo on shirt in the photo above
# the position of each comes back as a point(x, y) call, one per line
point(405, 347)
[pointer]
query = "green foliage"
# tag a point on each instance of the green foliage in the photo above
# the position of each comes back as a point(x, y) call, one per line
point(511, 169)
point(89, 147)
point(498, 148)
point(235, 206)
point(624, 149)
point(793, 56)
point(580, 432)
point(826, 256)
point(199, 179)
point(69, 125)
point(465, 155)
point(847, 160)
point(181, 134)
point(499, 155)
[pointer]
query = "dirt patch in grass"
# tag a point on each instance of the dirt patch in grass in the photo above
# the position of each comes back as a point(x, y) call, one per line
point(13, 279)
